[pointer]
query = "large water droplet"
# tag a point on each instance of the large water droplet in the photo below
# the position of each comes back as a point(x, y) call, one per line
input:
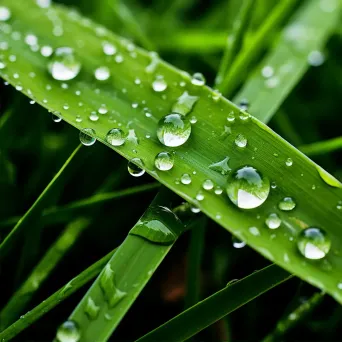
point(313, 243)
point(173, 130)
point(247, 188)
point(115, 137)
point(198, 79)
point(287, 204)
point(164, 161)
point(208, 184)
point(102, 73)
point(68, 332)
point(273, 221)
point(64, 65)
point(91, 309)
point(5, 13)
point(241, 141)
point(221, 166)
point(160, 225)
point(87, 136)
point(135, 167)
point(107, 283)
point(184, 103)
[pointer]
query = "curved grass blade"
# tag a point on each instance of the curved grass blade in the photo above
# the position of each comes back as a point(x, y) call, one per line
point(128, 271)
point(218, 305)
point(46, 198)
point(322, 147)
point(58, 297)
point(287, 62)
point(212, 139)
point(64, 213)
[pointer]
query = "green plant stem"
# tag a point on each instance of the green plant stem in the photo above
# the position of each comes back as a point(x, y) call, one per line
point(58, 297)
point(292, 319)
point(218, 305)
point(322, 147)
point(252, 50)
point(235, 39)
point(61, 214)
point(195, 253)
point(23, 295)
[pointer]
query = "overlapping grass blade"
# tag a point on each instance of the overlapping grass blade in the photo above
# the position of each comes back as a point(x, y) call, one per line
point(322, 147)
point(210, 141)
point(218, 305)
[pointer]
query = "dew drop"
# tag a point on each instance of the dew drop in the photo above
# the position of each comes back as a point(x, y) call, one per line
point(198, 79)
point(135, 167)
point(108, 49)
point(241, 141)
point(64, 65)
point(218, 190)
point(56, 118)
point(68, 332)
point(313, 243)
point(208, 184)
point(91, 309)
point(244, 104)
point(273, 221)
point(5, 13)
point(316, 58)
point(102, 73)
point(193, 119)
point(43, 3)
point(159, 85)
point(267, 71)
point(237, 243)
point(247, 188)
point(186, 179)
point(200, 196)
point(173, 130)
point(289, 162)
point(115, 137)
point(164, 161)
point(195, 209)
point(87, 136)
point(231, 117)
point(93, 116)
point(287, 204)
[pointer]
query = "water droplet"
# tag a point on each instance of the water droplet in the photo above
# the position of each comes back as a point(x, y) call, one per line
point(237, 243)
point(247, 188)
point(193, 119)
point(241, 141)
point(64, 65)
point(244, 104)
point(208, 184)
point(231, 117)
point(91, 309)
point(313, 243)
point(87, 136)
point(218, 191)
point(107, 283)
point(135, 167)
point(153, 63)
point(2, 65)
point(289, 162)
point(108, 49)
point(43, 3)
point(254, 231)
point(273, 221)
point(159, 225)
point(184, 103)
point(164, 161)
point(198, 79)
point(221, 166)
point(200, 196)
point(272, 82)
point(287, 204)
point(159, 85)
point(5, 13)
point(56, 118)
point(103, 110)
point(102, 73)
point(339, 286)
point(195, 210)
point(216, 95)
point(68, 332)
point(186, 179)
point(93, 116)
point(115, 137)
point(173, 130)
point(267, 71)
point(316, 58)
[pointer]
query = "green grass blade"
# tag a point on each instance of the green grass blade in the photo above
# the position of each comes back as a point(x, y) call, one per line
point(287, 62)
point(212, 139)
point(58, 297)
point(195, 252)
point(64, 213)
point(322, 147)
point(23, 295)
point(235, 39)
point(292, 319)
point(251, 50)
point(126, 274)
point(45, 199)
point(218, 305)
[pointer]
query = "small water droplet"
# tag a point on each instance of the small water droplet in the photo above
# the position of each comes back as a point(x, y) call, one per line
point(93, 116)
point(231, 117)
point(218, 190)
point(254, 231)
point(339, 286)
point(272, 82)
point(247, 188)
point(56, 118)
point(43, 3)
point(237, 243)
point(200, 196)
point(108, 49)
point(267, 71)
point(184, 104)
point(216, 95)
point(102, 73)
point(241, 141)
point(221, 166)
point(193, 119)
point(198, 79)
point(68, 332)
point(64, 65)
point(313, 243)
point(91, 309)
point(288, 162)
point(195, 209)
point(164, 161)
point(208, 184)
point(273, 221)
point(186, 179)
point(316, 58)
point(287, 204)
point(5, 13)
point(159, 85)
point(173, 130)
point(135, 167)
point(115, 137)
point(87, 136)
point(244, 104)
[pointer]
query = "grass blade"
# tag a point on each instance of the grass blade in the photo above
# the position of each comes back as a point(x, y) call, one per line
point(322, 147)
point(58, 297)
point(218, 305)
